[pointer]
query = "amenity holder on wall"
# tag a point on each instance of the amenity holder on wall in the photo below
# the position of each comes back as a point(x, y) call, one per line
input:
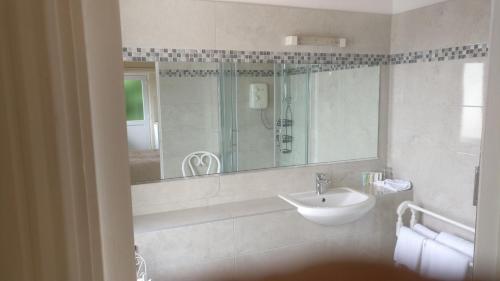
point(414, 208)
point(309, 40)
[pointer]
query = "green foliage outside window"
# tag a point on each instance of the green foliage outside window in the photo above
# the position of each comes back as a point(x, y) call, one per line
point(133, 100)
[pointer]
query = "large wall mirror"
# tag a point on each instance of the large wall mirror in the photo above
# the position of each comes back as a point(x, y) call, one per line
point(190, 119)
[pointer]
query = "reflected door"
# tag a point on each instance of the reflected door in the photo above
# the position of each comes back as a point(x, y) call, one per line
point(137, 110)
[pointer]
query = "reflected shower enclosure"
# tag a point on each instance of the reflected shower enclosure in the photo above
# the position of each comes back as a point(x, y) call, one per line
point(259, 115)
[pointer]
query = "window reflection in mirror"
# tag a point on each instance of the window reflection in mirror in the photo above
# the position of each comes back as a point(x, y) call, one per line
point(142, 122)
point(206, 118)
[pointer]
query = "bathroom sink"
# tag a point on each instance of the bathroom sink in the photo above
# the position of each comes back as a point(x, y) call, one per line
point(337, 206)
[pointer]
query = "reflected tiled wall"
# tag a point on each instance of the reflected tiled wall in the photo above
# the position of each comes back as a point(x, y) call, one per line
point(189, 119)
point(344, 114)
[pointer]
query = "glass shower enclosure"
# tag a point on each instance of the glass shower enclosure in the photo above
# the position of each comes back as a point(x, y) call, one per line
point(266, 115)
point(273, 135)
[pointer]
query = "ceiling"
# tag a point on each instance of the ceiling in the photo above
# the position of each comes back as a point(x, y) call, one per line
point(369, 6)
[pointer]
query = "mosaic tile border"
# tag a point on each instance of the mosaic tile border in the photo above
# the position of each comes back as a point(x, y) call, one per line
point(324, 68)
point(443, 54)
point(191, 55)
point(213, 73)
point(191, 73)
point(347, 60)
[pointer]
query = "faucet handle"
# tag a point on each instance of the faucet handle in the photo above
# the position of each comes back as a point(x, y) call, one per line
point(321, 183)
point(321, 176)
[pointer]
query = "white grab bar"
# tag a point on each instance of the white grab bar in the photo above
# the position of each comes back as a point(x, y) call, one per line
point(414, 208)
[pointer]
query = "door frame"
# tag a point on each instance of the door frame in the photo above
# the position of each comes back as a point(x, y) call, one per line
point(487, 246)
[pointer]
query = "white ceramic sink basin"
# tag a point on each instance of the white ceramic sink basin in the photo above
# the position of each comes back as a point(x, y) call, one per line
point(337, 206)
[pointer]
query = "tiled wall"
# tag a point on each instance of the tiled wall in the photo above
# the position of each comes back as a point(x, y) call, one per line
point(458, 36)
point(433, 137)
point(255, 246)
point(436, 107)
point(452, 23)
point(188, 24)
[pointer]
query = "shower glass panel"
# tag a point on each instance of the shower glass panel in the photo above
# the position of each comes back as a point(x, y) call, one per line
point(292, 111)
point(228, 117)
point(255, 115)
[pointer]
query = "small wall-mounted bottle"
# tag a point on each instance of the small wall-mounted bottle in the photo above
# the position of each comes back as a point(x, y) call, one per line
point(368, 178)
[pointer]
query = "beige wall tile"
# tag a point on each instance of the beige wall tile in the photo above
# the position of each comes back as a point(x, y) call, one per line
point(267, 183)
point(280, 260)
point(270, 231)
point(205, 24)
point(435, 109)
point(191, 250)
point(173, 195)
point(447, 24)
point(168, 23)
point(430, 140)
point(257, 27)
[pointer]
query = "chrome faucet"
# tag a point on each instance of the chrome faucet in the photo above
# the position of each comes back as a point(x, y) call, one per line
point(321, 183)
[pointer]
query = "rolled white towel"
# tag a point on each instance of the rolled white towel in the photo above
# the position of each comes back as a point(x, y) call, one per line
point(426, 232)
point(398, 184)
point(408, 248)
point(443, 263)
point(394, 185)
point(457, 243)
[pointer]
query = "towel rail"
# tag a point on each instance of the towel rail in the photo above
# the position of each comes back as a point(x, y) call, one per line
point(413, 220)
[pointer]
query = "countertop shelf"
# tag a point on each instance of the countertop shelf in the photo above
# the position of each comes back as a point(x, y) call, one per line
point(186, 217)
